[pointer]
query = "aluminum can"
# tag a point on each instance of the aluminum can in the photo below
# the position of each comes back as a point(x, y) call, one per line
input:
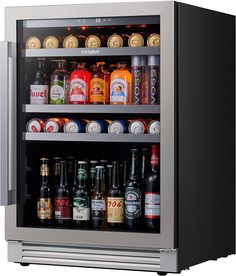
point(51, 42)
point(74, 126)
point(139, 126)
point(153, 40)
point(136, 40)
point(33, 42)
point(118, 126)
point(154, 127)
point(93, 41)
point(70, 41)
point(35, 125)
point(54, 125)
point(97, 126)
point(115, 41)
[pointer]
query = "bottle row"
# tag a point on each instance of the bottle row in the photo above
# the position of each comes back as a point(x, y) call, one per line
point(93, 41)
point(98, 197)
point(52, 125)
point(139, 85)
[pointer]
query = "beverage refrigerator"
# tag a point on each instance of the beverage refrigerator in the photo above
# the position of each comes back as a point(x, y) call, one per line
point(195, 49)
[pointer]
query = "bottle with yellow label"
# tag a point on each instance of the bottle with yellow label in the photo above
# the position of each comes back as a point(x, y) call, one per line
point(120, 86)
point(99, 85)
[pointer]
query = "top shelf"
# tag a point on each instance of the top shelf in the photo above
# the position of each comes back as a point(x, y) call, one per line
point(103, 51)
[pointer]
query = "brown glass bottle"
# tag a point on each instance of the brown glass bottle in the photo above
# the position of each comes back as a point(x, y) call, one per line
point(56, 173)
point(133, 195)
point(44, 203)
point(152, 193)
point(92, 176)
point(115, 200)
point(81, 199)
point(62, 201)
point(98, 201)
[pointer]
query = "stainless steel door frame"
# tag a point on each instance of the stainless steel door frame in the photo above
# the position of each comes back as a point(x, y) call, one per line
point(138, 240)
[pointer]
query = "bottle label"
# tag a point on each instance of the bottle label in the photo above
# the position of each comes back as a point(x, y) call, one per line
point(44, 208)
point(152, 205)
point(58, 92)
point(78, 91)
point(62, 208)
point(154, 85)
point(97, 93)
point(38, 94)
point(137, 85)
point(132, 203)
point(115, 209)
point(119, 90)
point(81, 209)
point(98, 209)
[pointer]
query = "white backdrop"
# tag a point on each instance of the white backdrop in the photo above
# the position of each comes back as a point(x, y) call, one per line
point(224, 266)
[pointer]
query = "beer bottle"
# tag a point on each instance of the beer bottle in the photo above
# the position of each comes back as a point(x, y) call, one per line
point(81, 201)
point(92, 176)
point(62, 199)
point(152, 193)
point(144, 166)
point(125, 174)
point(109, 173)
point(104, 162)
point(115, 200)
point(44, 203)
point(98, 201)
point(56, 173)
point(75, 175)
point(70, 171)
point(133, 196)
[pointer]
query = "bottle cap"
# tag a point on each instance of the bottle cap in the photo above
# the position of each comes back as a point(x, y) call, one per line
point(93, 162)
point(138, 61)
point(99, 167)
point(82, 162)
point(153, 60)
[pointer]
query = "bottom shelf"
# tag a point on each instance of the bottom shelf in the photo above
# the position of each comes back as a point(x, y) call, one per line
point(84, 137)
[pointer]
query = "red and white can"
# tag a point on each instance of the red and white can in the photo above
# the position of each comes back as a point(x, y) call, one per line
point(54, 125)
point(35, 125)
point(154, 127)
point(139, 126)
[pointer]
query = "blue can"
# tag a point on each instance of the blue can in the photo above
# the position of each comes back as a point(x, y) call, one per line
point(97, 126)
point(118, 127)
point(74, 126)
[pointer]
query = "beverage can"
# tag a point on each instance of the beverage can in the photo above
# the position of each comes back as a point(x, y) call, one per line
point(118, 126)
point(70, 41)
point(51, 42)
point(54, 125)
point(35, 125)
point(153, 40)
point(74, 126)
point(136, 40)
point(96, 126)
point(93, 41)
point(33, 42)
point(115, 41)
point(154, 127)
point(138, 126)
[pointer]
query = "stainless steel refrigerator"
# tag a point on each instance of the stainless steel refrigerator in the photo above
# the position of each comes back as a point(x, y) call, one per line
point(197, 135)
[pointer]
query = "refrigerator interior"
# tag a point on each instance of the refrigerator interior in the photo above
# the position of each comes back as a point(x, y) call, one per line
point(29, 151)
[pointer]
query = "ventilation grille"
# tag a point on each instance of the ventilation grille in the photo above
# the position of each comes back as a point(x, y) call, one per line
point(91, 257)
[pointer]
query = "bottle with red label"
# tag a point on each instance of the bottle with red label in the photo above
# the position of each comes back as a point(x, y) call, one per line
point(79, 85)
point(39, 86)
point(62, 203)
point(152, 193)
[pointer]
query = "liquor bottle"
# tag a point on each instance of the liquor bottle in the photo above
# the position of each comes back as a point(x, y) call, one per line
point(115, 200)
point(99, 84)
point(79, 85)
point(121, 85)
point(39, 86)
point(56, 173)
point(62, 201)
point(98, 201)
point(59, 83)
point(152, 193)
point(44, 203)
point(138, 77)
point(133, 196)
point(109, 173)
point(92, 176)
point(81, 200)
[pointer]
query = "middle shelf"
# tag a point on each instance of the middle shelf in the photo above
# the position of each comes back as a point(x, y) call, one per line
point(84, 137)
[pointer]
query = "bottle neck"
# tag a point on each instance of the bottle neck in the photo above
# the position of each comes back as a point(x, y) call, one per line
point(75, 174)
point(115, 176)
point(99, 180)
point(144, 164)
point(63, 177)
point(134, 165)
point(82, 176)
point(45, 180)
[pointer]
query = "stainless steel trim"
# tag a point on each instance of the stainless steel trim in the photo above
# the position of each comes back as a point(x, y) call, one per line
point(85, 52)
point(93, 257)
point(235, 135)
point(7, 90)
point(119, 109)
point(139, 240)
point(84, 137)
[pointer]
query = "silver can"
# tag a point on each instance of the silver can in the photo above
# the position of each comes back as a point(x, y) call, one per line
point(137, 127)
point(154, 127)
point(117, 127)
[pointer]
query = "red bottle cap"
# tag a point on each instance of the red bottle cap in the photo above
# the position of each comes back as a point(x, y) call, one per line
point(155, 155)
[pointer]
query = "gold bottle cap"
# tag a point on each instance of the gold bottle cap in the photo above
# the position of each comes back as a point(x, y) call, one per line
point(115, 41)
point(33, 42)
point(153, 40)
point(92, 41)
point(51, 42)
point(136, 40)
point(70, 41)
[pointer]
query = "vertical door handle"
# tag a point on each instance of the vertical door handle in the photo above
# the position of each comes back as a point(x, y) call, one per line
point(7, 123)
